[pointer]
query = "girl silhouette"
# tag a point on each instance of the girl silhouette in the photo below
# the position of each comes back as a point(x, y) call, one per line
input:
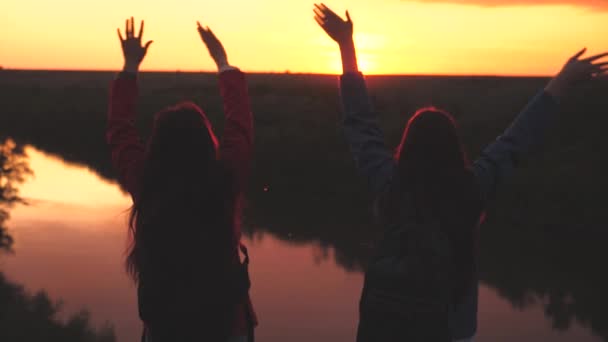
point(187, 193)
point(422, 283)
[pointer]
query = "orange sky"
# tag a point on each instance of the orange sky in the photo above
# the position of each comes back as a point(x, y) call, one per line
point(392, 36)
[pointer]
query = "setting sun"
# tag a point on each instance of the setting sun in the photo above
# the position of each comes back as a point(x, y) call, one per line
point(369, 47)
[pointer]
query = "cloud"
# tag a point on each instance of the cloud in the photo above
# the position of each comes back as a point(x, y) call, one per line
point(593, 4)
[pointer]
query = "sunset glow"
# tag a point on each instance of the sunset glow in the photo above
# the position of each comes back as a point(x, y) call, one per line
point(83, 187)
point(392, 36)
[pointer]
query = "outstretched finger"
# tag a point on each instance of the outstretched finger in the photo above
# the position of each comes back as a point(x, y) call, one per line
point(348, 17)
point(328, 12)
point(141, 30)
point(132, 28)
point(120, 35)
point(596, 57)
point(324, 9)
point(580, 53)
point(211, 34)
point(214, 38)
point(320, 21)
point(204, 29)
point(600, 65)
point(319, 13)
point(200, 29)
point(127, 28)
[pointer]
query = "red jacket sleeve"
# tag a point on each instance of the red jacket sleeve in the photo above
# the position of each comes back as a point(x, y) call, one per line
point(236, 147)
point(126, 147)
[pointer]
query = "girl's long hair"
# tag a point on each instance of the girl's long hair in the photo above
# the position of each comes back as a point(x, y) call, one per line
point(183, 215)
point(435, 177)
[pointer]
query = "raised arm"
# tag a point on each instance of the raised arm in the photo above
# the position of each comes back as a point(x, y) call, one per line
point(363, 133)
point(126, 147)
point(236, 147)
point(499, 159)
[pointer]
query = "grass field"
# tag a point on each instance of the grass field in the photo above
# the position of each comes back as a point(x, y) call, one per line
point(545, 234)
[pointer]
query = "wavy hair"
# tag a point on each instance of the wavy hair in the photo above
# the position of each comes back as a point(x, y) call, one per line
point(435, 178)
point(185, 208)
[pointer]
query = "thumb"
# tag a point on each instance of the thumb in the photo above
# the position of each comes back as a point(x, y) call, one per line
point(148, 45)
point(348, 17)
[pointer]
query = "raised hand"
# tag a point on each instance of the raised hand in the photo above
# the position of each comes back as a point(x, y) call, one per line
point(578, 70)
point(339, 30)
point(216, 50)
point(132, 49)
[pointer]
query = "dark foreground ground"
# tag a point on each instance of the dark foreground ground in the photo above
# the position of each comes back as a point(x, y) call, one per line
point(545, 236)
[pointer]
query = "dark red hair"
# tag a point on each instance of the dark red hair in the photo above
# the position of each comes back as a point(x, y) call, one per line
point(184, 212)
point(434, 179)
point(183, 241)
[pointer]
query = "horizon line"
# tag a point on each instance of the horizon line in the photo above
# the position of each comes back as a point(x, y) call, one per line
point(287, 72)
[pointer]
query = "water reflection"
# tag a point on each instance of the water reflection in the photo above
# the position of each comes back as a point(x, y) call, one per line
point(71, 241)
point(57, 181)
point(26, 315)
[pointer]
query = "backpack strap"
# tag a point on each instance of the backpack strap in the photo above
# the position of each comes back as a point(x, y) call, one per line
point(250, 325)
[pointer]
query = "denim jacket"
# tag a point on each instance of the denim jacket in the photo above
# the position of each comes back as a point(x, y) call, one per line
point(496, 163)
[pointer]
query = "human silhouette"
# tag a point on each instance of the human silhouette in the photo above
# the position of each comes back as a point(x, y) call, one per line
point(187, 191)
point(422, 282)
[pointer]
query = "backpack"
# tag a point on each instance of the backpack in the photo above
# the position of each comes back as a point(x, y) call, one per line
point(407, 286)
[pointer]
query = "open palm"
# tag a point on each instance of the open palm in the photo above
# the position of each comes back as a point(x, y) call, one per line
point(338, 29)
point(132, 48)
point(578, 70)
point(215, 47)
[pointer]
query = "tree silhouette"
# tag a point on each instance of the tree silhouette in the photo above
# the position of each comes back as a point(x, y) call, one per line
point(26, 317)
point(13, 170)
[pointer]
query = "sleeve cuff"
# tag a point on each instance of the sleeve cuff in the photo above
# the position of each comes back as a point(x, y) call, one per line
point(126, 75)
point(227, 67)
point(351, 76)
point(352, 84)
